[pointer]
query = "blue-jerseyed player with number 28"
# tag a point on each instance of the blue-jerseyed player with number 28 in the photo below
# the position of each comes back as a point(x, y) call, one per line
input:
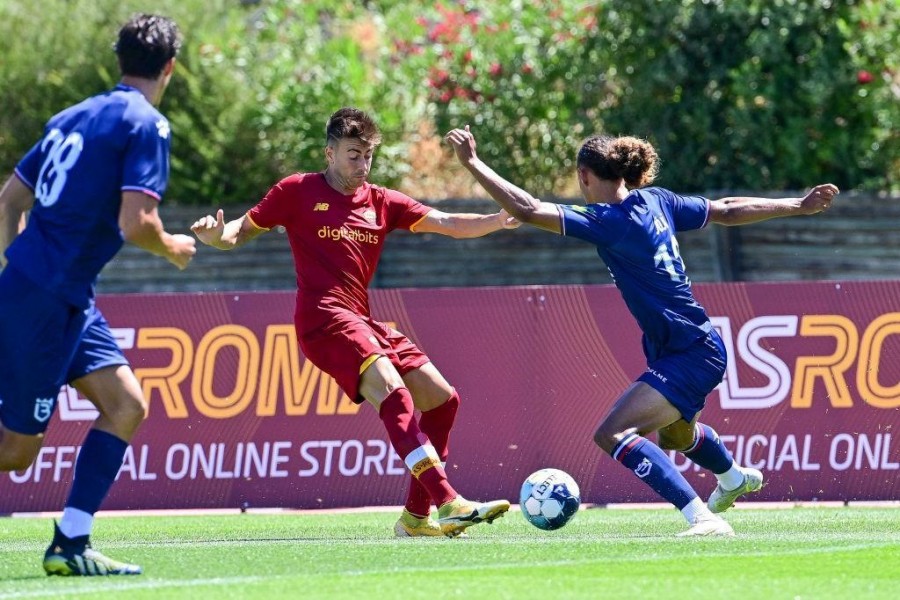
point(634, 227)
point(97, 176)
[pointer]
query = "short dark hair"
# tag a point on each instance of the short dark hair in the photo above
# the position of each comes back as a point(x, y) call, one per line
point(145, 45)
point(352, 123)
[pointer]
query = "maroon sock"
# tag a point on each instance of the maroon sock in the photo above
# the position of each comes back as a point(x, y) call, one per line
point(436, 424)
point(396, 413)
point(418, 501)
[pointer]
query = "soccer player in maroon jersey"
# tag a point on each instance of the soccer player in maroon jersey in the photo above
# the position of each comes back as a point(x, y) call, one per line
point(336, 224)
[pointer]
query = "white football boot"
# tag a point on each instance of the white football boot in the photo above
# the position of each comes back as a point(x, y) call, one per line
point(708, 525)
point(721, 500)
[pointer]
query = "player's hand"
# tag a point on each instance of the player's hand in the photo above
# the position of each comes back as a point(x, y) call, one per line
point(463, 143)
point(507, 221)
point(208, 229)
point(182, 250)
point(818, 199)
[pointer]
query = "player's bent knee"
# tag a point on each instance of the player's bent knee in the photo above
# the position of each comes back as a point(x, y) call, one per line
point(427, 402)
point(676, 438)
point(17, 457)
point(15, 463)
point(679, 444)
point(392, 386)
point(379, 380)
point(454, 399)
point(608, 436)
point(129, 413)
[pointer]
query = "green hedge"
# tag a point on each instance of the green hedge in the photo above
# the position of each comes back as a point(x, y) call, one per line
point(752, 95)
point(760, 94)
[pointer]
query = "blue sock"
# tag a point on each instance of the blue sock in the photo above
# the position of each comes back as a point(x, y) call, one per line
point(654, 468)
point(98, 464)
point(708, 451)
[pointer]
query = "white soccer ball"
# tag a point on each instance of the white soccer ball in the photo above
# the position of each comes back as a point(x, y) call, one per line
point(549, 498)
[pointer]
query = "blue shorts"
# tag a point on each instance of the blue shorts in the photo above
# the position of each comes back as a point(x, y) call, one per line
point(686, 377)
point(45, 342)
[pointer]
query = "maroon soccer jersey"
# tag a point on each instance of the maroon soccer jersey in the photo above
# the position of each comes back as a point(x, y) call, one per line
point(336, 240)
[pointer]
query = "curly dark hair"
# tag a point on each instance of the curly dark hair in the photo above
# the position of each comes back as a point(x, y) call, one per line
point(629, 158)
point(352, 123)
point(145, 45)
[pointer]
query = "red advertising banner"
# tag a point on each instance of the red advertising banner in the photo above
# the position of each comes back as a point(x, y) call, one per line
point(238, 416)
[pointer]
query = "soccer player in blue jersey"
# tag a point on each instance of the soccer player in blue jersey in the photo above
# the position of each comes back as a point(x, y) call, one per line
point(634, 227)
point(97, 173)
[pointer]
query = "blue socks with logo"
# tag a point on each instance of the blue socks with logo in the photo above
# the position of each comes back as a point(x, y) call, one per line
point(654, 468)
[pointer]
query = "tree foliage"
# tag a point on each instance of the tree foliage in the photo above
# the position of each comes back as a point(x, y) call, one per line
point(752, 95)
point(759, 94)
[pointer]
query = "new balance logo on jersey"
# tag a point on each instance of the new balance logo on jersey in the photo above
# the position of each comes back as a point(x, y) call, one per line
point(320, 206)
point(43, 408)
point(162, 127)
point(643, 469)
point(659, 224)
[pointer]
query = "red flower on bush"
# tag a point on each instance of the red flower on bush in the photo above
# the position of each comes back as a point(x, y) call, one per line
point(863, 77)
point(450, 29)
point(438, 77)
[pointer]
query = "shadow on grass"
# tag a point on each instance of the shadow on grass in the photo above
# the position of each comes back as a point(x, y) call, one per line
point(24, 577)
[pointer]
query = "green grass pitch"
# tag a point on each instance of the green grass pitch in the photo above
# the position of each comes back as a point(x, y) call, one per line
point(792, 553)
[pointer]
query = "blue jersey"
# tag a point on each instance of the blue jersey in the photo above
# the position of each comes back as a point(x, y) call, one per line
point(90, 153)
point(636, 240)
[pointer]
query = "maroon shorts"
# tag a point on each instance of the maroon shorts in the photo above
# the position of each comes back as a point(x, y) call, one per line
point(347, 344)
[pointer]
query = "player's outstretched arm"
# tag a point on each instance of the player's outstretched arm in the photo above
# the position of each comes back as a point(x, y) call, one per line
point(140, 224)
point(516, 201)
point(743, 210)
point(465, 225)
point(15, 199)
point(215, 232)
